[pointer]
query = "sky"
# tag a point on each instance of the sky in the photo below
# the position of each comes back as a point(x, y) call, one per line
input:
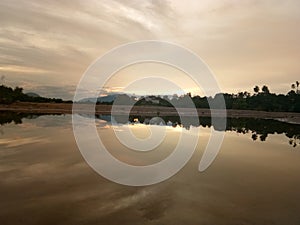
point(46, 46)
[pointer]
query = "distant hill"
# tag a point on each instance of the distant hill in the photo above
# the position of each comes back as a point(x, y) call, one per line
point(32, 94)
point(108, 99)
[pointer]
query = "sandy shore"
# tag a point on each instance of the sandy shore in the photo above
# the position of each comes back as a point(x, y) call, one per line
point(65, 108)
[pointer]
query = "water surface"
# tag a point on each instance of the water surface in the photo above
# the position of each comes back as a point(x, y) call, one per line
point(45, 180)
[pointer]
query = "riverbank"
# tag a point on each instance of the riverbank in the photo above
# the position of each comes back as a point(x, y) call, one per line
point(66, 108)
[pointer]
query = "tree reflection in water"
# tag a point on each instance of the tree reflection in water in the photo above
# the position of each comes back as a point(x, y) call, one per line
point(260, 128)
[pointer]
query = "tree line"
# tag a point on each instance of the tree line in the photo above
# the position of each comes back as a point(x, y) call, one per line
point(262, 99)
point(10, 95)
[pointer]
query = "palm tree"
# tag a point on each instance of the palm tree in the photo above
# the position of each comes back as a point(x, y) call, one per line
point(256, 89)
point(265, 89)
point(2, 79)
point(296, 86)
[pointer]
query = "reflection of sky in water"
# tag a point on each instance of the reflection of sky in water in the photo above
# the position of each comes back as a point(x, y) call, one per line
point(50, 121)
point(29, 131)
point(43, 175)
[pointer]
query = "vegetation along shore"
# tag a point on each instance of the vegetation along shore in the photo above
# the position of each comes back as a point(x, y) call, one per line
point(261, 104)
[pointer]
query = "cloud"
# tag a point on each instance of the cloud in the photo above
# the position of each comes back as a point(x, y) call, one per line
point(17, 142)
point(51, 43)
point(57, 41)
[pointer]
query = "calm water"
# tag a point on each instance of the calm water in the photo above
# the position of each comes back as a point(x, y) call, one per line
point(45, 180)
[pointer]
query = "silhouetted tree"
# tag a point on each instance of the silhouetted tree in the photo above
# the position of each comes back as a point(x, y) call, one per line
point(2, 79)
point(295, 86)
point(256, 89)
point(265, 89)
point(254, 137)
